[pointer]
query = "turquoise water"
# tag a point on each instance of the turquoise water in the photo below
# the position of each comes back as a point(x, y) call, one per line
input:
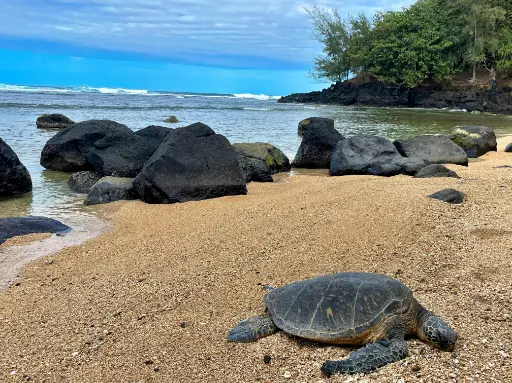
point(241, 118)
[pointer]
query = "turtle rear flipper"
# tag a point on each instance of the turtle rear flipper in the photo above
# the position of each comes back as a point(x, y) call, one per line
point(252, 329)
point(368, 358)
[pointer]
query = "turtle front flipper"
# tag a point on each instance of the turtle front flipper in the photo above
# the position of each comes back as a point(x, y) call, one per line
point(252, 329)
point(368, 358)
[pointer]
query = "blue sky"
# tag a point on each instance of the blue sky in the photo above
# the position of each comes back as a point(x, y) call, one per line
point(224, 46)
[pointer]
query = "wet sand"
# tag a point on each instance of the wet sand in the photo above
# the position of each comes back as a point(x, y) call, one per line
point(153, 299)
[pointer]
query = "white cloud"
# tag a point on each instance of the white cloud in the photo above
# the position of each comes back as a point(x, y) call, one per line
point(178, 29)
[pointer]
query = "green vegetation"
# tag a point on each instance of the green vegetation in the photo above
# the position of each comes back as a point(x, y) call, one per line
point(427, 42)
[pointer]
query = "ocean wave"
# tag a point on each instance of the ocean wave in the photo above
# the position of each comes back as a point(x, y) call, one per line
point(131, 92)
point(46, 107)
point(261, 97)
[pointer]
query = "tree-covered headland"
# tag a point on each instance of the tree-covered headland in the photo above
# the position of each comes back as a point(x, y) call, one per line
point(428, 42)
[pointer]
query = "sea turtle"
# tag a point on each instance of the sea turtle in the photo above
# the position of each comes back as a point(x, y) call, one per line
point(349, 309)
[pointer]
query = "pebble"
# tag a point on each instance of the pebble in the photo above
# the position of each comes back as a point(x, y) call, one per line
point(267, 359)
point(75, 353)
point(504, 354)
point(287, 375)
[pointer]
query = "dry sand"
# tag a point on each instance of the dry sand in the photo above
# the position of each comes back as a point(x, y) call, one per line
point(153, 299)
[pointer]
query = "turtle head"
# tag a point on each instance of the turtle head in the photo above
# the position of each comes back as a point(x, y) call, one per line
point(436, 332)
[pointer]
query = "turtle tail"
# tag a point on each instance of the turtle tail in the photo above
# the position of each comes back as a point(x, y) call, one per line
point(252, 329)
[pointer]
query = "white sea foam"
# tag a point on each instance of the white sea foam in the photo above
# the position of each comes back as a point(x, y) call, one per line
point(258, 109)
point(262, 97)
point(124, 91)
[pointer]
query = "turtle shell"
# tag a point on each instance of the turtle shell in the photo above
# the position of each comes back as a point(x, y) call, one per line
point(338, 308)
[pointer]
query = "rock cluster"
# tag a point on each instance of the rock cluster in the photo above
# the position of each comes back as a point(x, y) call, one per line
point(157, 164)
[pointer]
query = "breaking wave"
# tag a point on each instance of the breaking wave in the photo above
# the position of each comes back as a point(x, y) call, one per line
point(130, 92)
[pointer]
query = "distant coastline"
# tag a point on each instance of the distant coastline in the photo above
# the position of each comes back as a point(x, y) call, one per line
point(441, 96)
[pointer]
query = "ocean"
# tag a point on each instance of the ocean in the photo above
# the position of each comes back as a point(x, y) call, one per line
point(240, 117)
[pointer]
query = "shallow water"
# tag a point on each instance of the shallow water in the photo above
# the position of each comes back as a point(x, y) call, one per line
point(240, 119)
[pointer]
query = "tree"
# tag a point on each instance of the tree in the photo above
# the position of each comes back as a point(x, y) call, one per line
point(332, 32)
point(481, 29)
point(412, 46)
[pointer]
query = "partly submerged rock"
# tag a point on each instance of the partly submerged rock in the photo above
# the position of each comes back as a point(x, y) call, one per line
point(275, 160)
point(435, 171)
point(508, 148)
point(433, 149)
point(316, 148)
point(475, 140)
point(370, 155)
point(449, 195)
point(68, 149)
point(254, 169)
point(17, 226)
point(172, 120)
point(83, 181)
point(14, 176)
point(111, 189)
point(314, 123)
point(191, 164)
point(54, 121)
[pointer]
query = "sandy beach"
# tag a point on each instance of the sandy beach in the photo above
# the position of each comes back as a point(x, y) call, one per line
point(153, 299)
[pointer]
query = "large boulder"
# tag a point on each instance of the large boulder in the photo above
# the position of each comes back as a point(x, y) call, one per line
point(82, 182)
point(54, 121)
point(475, 140)
point(121, 155)
point(433, 149)
point(449, 196)
point(191, 165)
point(370, 155)
point(154, 133)
point(508, 148)
point(17, 226)
point(275, 160)
point(436, 171)
point(14, 176)
point(316, 148)
point(254, 169)
point(111, 189)
point(314, 123)
point(67, 150)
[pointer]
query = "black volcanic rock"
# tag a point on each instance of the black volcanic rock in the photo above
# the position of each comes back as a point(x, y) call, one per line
point(313, 123)
point(191, 164)
point(111, 189)
point(14, 176)
point(275, 160)
point(54, 121)
point(68, 149)
point(475, 140)
point(433, 149)
point(436, 171)
point(17, 226)
point(449, 196)
point(370, 155)
point(82, 182)
point(375, 93)
point(316, 148)
point(254, 169)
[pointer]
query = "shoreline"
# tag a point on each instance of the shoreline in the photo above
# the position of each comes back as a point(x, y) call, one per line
point(152, 299)
point(376, 94)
